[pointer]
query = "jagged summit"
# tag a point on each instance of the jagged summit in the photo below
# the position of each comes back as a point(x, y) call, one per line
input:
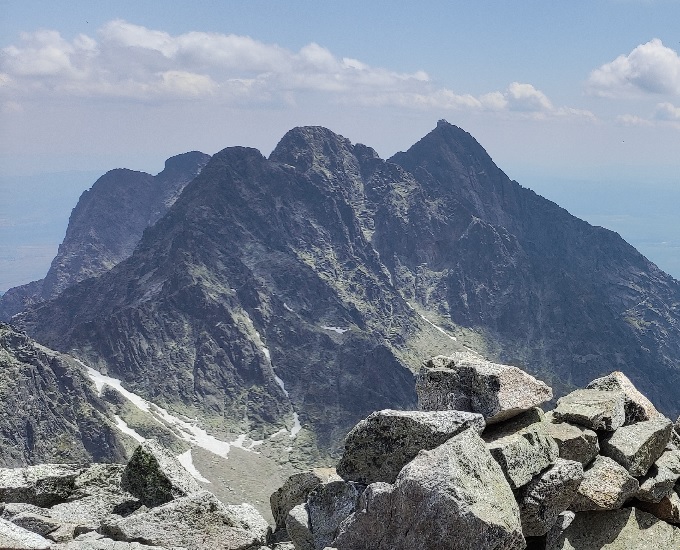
point(307, 287)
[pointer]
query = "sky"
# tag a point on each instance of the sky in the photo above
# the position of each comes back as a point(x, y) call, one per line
point(578, 100)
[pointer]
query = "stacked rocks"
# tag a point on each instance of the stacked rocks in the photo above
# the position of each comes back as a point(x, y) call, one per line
point(481, 466)
point(153, 502)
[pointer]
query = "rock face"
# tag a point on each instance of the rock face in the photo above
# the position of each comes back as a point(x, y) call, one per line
point(636, 405)
point(606, 486)
point(466, 382)
point(378, 447)
point(344, 267)
point(594, 409)
point(49, 409)
point(106, 225)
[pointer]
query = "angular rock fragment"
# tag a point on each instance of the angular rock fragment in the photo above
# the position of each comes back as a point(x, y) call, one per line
point(295, 491)
point(547, 495)
point(661, 478)
point(637, 407)
point(637, 446)
point(523, 455)
point(606, 485)
point(624, 529)
point(466, 382)
point(195, 522)
point(97, 541)
point(36, 523)
point(667, 509)
point(13, 537)
point(155, 477)
point(379, 446)
point(574, 442)
point(42, 485)
point(328, 506)
point(594, 409)
point(454, 489)
point(299, 528)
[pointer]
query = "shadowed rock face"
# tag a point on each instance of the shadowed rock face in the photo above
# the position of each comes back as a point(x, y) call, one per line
point(106, 225)
point(49, 410)
point(312, 268)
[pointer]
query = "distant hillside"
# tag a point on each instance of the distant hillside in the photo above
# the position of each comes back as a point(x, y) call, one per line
point(308, 287)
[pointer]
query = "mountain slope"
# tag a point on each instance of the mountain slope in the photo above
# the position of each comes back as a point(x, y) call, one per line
point(106, 225)
point(308, 286)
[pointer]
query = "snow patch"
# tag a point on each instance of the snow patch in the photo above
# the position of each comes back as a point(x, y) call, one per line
point(296, 426)
point(281, 384)
point(339, 330)
point(267, 354)
point(287, 307)
point(277, 434)
point(123, 427)
point(186, 460)
point(184, 430)
point(440, 329)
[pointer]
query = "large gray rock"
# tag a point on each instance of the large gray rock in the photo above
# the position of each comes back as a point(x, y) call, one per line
point(452, 497)
point(97, 541)
point(379, 446)
point(548, 495)
point(196, 522)
point(606, 485)
point(624, 529)
point(574, 442)
point(295, 490)
point(524, 454)
point(594, 409)
point(299, 528)
point(328, 506)
point(661, 478)
point(42, 485)
point(155, 477)
point(637, 406)
point(36, 523)
point(637, 446)
point(466, 382)
point(667, 509)
point(13, 537)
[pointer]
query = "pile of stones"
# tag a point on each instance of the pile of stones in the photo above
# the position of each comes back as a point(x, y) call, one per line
point(152, 502)
point(480, 465)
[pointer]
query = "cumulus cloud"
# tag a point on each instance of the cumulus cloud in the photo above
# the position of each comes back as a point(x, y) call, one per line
point(130, 61)
point(650, 68)
point(667, 111)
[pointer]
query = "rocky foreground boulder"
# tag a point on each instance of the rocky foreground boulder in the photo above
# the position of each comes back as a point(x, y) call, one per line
point(497, 472)
point(596, 472)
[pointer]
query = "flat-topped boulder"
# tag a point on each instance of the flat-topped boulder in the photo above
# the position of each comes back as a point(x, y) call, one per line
point(594, 409)
point(42, 485)
point(452, 497)
point(467, 382)
point(637, 406)
point(637, 446)
point(379, 446)
point(574, 442)
point(195, 522)
point(606, 485)
point(155, 477)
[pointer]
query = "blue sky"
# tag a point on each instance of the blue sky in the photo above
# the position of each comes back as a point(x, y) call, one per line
point(583, 91)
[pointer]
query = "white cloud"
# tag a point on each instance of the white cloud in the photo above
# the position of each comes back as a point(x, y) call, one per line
point(667, 111)
point(633, 120)
point(649, 68)
point(133, 62)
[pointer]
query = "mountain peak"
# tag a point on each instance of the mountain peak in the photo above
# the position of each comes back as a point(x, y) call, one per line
point(307, 146)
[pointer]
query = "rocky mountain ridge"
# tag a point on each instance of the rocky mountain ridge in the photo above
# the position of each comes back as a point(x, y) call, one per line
point(600, 470)
point(309, 286)
point(106, 225)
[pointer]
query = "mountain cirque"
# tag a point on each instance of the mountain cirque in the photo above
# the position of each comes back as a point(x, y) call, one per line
point(456, 488)
point(309, 287)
